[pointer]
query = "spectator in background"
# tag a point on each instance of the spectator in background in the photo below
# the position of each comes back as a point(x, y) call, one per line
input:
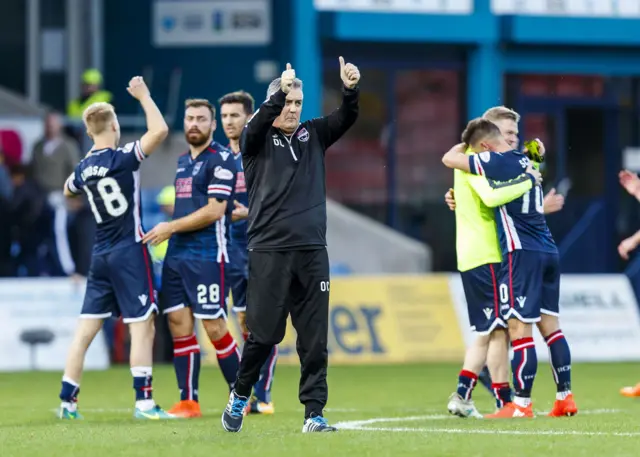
point(91, 93)
point(27, 221)
point(6, 192)
point(54, 158)
point(166, 200)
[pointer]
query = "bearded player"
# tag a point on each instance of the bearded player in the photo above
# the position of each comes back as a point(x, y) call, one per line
point(235, 110)
point(194, 278)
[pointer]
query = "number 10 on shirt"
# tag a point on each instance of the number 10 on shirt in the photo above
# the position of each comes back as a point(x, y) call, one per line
point(537, 201)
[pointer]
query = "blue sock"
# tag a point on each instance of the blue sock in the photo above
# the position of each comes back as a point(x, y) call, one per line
point(524, 366)
point(560, 358)
point(262, 389)
point(502, 392)
point(485, 379)
point(228, 358)
point(467, 380)
point(69, 391)
point(186, 361)
point(142, 382)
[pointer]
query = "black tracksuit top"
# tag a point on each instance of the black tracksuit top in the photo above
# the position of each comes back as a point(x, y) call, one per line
point(285, 175)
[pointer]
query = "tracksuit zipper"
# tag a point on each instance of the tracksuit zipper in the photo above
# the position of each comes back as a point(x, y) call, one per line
point(293, 154)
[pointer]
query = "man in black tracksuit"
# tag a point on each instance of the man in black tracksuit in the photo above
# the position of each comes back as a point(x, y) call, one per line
point(288, 262)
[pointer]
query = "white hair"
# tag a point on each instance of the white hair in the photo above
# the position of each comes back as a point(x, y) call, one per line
point(275, 86)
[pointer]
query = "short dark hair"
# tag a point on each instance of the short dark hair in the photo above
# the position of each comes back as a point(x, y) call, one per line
point(478, 129)
point(200, 103)
point(239, 96)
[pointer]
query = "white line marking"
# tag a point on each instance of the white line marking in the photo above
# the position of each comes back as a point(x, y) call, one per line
point(490, 432)
point(363, 425)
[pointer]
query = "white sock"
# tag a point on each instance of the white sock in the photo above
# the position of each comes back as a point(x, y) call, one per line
point(145, 405)
point(523, 402)
point(70, 406)
point(70, 381)
point(563, 395)
point(141, 372)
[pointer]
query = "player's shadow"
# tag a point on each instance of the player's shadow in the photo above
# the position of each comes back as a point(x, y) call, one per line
point(33, 338)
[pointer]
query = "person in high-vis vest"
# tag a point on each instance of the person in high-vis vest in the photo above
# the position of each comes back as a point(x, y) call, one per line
point(91, 93)
point(166, 200)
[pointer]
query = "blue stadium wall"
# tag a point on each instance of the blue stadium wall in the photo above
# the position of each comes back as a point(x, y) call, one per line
point(489, 44)
point(482, 46)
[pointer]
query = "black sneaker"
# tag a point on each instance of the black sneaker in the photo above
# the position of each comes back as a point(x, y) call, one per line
point(234, 412)
point(317, 423)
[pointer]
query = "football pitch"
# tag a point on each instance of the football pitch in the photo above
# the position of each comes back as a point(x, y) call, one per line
point(381, 410)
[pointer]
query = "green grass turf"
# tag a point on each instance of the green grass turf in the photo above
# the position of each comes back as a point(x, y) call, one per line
point(415, 395)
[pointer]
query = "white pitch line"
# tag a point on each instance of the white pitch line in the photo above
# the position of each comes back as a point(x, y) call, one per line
point(362, 425)
point(490, 432)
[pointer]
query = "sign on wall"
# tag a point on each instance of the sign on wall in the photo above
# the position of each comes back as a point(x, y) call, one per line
point(183, 23)
point(43, 309)
point(398, 6)
point(598, 315)
point(380, 319)
point(577, 8)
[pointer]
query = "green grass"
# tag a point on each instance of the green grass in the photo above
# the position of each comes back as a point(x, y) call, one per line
point(28, 426)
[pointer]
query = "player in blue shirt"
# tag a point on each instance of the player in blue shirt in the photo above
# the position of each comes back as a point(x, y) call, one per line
point(235, 110)
point(194, 275)
point(530, 274)
point(120, 280)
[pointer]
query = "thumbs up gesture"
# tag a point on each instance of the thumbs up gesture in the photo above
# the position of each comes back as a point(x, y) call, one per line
point(349, 73)
point(286, 80)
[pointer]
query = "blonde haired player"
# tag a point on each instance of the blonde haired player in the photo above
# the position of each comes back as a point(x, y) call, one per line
point(507, 121)
point(120, 281)
point(530, 274)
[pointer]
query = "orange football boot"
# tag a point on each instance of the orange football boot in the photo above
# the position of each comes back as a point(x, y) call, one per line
point(566, 407)
point(511, 410)
point(186, 409)
point(631, 391)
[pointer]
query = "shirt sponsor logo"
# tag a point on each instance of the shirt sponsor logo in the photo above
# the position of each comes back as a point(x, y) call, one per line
point(184, 187)
point(241, 184)
point(222, 173)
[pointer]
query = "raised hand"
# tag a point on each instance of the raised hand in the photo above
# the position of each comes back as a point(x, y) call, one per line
point(626, 246)
point(349, 73)
point(630, 182)
point(286, 79)
point(138, 88)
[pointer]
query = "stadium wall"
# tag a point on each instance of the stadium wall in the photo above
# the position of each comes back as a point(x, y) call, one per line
point(373, 320)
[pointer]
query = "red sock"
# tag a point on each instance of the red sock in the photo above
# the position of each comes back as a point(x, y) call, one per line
point(186, 360)
point(228, 357)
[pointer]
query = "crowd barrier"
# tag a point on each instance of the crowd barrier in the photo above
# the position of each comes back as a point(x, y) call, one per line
point(372, 320)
